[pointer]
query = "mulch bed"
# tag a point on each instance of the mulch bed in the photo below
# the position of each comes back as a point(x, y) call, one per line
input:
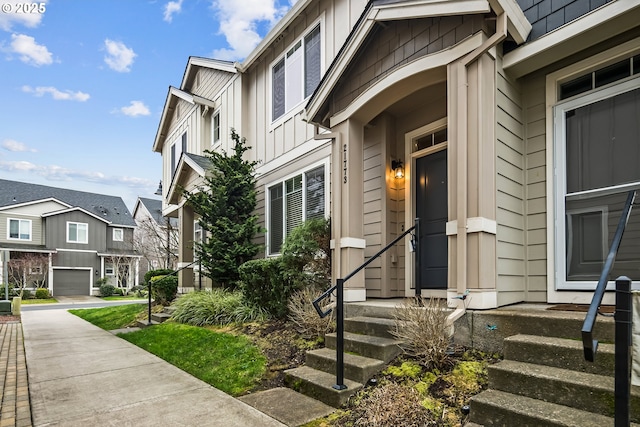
point(7, 318)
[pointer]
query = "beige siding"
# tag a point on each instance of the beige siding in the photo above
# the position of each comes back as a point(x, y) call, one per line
point(510, 186)
point(535, 156)
point(37, 235)
point(374, 206)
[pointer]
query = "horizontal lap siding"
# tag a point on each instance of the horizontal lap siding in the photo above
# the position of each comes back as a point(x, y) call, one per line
point(536, 202)
point(510, 217)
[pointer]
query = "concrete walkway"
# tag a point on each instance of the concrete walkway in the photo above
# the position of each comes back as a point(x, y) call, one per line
point(81, 375)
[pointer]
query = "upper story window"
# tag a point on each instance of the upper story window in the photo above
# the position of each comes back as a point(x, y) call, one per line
point(177, 148)
point(77, 232)
point(215, 128)
point(19, 229)
point(297, 74)
point(292, 201)
point(118, 234)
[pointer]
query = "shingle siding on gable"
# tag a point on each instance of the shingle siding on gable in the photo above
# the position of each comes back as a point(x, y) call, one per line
point(547, 15)
point(399, 43)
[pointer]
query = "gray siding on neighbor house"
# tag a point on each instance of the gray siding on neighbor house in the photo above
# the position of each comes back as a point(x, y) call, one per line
point(398, 43)
point(510, 213)
point(127, 241)
point(536, 198)
point(547, 15)
point(73, 259)
point(56, 231)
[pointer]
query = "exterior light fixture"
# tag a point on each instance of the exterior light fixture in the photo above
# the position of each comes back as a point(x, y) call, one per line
point(397, 169)
point(159, 190)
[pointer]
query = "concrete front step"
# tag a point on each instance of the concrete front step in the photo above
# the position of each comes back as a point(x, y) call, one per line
point(560, 353)
point(356, 368)
point(319, 385)
point(580, 390)
point(160, 317)
point(497, 408)
point(374, 326)
point(144, 323)
point(384, 349)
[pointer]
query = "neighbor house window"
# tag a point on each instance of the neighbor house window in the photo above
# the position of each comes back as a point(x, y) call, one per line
point(215, 128)
point(108, 271)
point(297, 74)
point(20, 229)
point(293, 201)
point(118, 235)
point(177, 148)
point(77, 232)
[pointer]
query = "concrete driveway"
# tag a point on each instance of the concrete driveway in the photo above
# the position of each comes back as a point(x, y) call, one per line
point(81, 375)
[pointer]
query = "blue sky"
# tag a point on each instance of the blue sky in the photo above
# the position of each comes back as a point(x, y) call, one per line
point(83, 82)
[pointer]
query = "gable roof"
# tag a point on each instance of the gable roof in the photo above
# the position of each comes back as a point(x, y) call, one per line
point(109, 208)
point(153, 206)
point(188, 161)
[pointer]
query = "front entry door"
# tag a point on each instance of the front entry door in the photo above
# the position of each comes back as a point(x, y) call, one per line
point(431, 208)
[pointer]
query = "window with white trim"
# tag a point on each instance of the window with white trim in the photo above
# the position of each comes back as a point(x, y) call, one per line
point(118, 234)
point(296, 75)
point(19, 229)
point(108, 271)
point(215, 128)
point(77, 232)
point(177, 148)
point(292, 201)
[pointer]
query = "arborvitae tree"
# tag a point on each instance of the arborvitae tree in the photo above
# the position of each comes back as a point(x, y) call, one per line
point(225, 204)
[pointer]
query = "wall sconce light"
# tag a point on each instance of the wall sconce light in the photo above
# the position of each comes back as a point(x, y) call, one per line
point(397, 169)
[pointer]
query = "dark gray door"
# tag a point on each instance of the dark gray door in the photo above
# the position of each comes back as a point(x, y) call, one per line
point(70, 282)
point(431, 208)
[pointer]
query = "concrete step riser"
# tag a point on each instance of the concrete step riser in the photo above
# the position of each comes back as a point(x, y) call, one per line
point(559, 353)
point(369, 326)
point(363, 310)
point(596, 396)
point(353, 372)
point(299, 380)
point(160, 317)
point(486, 414)
point(384, 352)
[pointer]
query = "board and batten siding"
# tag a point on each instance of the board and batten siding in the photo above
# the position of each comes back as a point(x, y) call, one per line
point(37, 237)
point(271, 139)
point(56, 231)
point(510, 187)
point(536, 200)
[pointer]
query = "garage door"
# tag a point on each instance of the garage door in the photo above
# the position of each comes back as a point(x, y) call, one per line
point(71, 282)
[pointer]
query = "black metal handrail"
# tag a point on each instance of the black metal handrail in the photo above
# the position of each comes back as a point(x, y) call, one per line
point(338, 288)
point(591, 345)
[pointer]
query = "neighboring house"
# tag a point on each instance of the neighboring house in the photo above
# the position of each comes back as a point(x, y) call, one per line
point(155, 236)
point(79, 237)
point(516, 123)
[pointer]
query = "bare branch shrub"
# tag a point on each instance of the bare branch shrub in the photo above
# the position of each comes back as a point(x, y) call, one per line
point(422, 327)
point(392, 405)
point(304, 316)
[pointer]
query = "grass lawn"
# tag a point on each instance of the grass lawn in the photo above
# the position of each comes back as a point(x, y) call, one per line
point(39, 301)
point(110, 318)
point(228, 362)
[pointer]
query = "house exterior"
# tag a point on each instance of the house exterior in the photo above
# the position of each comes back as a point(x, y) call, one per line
point(516, 123)
point(72, 238)
point(155, 236)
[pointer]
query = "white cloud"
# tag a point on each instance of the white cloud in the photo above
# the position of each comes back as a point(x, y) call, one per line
point(57, 94)
point(119, 57)
point(16, 15)
point(15, 146)
point(238, 23)
point(135, 109)
point(30, 52)
point(172, 8)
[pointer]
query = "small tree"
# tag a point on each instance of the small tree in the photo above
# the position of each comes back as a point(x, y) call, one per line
point(28, 269)
point(225, 204)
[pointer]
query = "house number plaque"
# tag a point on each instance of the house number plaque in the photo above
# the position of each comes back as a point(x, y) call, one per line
point(344, 163)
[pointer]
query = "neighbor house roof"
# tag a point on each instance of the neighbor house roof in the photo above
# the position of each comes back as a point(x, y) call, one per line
point(154, 207)
point(109, 208)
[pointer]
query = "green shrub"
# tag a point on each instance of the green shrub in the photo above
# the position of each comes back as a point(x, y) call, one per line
point(306, 255)
point(106, 290)
point(153, 273)
point(101, 281)
point(27, 294)
point(119, 291)
point(42, 293)
point(12, 292)
point(214, 307)
point(164, 289)
point(264, 285)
